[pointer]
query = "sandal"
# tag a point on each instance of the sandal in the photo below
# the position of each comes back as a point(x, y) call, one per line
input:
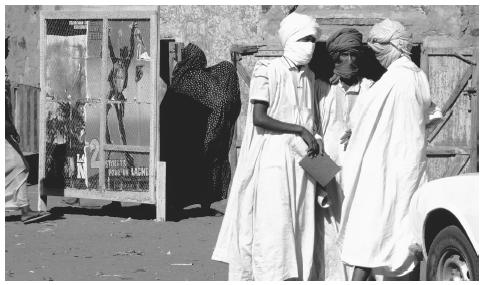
point(36, 217)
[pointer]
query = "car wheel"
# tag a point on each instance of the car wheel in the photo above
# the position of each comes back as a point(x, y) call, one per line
point(452, 257)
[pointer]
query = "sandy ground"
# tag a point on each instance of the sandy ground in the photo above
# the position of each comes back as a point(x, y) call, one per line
point(86, 243)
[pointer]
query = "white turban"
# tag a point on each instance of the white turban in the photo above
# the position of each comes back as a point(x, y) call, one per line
point(390, 40)
point(296, 26)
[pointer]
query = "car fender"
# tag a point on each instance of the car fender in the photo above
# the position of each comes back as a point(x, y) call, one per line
point(457, 195)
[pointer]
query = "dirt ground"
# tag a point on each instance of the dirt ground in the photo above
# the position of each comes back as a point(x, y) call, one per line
point(87, 243)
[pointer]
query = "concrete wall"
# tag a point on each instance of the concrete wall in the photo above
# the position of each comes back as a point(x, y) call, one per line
point(216, 28)
point(450, 26)
point(22, 25)
point(458, 24)
point(213, 28)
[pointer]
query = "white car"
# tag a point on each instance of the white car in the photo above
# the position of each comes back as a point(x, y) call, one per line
point(446, 219)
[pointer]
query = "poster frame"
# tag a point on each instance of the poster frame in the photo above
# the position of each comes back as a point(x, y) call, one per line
point(156, 168)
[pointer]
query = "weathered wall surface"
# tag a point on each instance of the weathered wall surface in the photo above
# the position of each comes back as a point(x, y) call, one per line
point(215, 28)
point(458, 24)
point(451, 26)
point(22, 25)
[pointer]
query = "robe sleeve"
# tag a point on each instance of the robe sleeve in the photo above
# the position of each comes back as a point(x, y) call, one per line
point(321, 91)
point(259, 85)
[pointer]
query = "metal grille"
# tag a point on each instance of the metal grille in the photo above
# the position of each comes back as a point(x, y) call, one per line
point(65, 146)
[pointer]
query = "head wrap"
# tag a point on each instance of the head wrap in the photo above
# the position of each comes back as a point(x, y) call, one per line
point(344, 40)
point(192, 58)
point(390, 40)
point(294, 27)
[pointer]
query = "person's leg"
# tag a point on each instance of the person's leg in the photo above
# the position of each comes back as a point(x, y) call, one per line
point(28, 215)
point(122, 132)
point(108, 135)
point(16, 175)
point(361, 273)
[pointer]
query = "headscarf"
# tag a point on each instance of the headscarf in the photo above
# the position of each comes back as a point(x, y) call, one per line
point(294, 27)
point(344, 40)
point(193, 59)
point(390, 40)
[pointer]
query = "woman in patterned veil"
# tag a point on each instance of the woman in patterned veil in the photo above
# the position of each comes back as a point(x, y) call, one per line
point(198, 117)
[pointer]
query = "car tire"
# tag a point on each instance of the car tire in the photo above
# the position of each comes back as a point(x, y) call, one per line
point(451, 257)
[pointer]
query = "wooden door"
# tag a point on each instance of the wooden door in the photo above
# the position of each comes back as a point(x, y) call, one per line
point(174, 57)
point(453, 78)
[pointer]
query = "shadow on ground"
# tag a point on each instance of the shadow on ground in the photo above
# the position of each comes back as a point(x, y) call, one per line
point(139, 212)
point(53, 217)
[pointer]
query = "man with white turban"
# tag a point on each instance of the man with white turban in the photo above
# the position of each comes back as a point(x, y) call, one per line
point(385, 161)
point(268, 229)
point(337, 99)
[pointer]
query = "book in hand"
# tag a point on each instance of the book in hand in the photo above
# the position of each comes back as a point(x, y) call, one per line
point(321, 168)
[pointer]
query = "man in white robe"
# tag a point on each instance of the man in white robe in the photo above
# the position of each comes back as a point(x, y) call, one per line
point(16, 166)
point(385, 161)
point(337, 99)
point(268, 229)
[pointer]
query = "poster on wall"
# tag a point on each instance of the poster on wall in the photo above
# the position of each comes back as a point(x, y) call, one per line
point(73, 68)
point(65, 89)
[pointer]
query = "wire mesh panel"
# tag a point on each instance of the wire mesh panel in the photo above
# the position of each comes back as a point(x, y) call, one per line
point(65, 91)
point(97, 108)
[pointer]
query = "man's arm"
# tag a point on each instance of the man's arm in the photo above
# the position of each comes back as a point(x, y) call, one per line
point(262, 120)
point(111, 50)
point(131, 52)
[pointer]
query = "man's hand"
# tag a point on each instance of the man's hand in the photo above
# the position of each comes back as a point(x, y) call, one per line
point(345, 138)
point(320, 142)
point(311, 143)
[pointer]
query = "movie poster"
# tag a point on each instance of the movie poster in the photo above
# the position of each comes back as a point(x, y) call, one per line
point(65, 89)
point(74, 89)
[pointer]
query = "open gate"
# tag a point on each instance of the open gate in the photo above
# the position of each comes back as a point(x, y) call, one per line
point(453, 79)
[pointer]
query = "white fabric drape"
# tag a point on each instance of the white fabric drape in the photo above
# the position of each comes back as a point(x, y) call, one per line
point(268, 229)
point(336, 105)
point(16, 175)
point(385, 162)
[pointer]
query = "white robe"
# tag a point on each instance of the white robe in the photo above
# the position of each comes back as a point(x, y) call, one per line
point(268, 229)
point(335, 111)
point(385, 162)
point(16, 175)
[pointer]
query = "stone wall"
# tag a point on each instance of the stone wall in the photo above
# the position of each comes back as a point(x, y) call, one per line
point(216, 28)
point(213, 28)
point(458, 24)
point(22, 26)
